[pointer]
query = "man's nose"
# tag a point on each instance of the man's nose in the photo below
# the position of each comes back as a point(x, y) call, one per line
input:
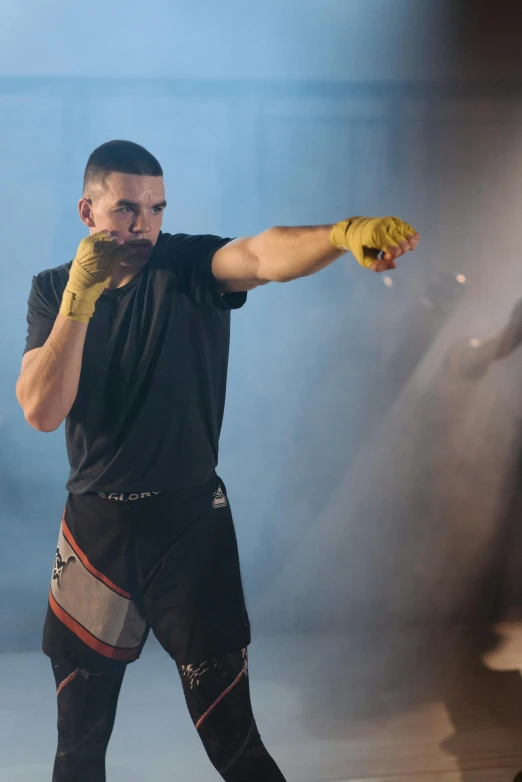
point(142, 224)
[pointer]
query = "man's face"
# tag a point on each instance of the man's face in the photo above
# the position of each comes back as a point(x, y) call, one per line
point(130, 207)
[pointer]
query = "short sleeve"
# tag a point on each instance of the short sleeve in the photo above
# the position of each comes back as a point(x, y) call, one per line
point(189, 257)
point(41, 316)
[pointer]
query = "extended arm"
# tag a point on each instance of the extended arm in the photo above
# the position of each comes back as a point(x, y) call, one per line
point(283, 254)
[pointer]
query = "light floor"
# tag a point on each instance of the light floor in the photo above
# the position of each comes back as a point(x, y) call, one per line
point(440, 704)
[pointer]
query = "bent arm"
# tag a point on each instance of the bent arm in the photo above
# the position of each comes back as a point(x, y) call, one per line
point(48, 382)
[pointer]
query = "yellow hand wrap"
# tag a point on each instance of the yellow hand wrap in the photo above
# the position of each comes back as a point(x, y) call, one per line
point(90, 274)
point(366, 237)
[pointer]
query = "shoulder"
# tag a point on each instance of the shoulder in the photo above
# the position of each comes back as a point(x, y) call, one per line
point(167, 240)
point(181, 246)
point(48, 287)
point(168, 246)
point(188, 258)
point(53, 279)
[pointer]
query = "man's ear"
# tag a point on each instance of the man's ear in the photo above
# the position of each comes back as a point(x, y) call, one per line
point(86, 213)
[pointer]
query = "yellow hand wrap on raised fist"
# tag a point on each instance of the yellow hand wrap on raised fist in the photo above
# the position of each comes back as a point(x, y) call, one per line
point(91, 272)
point(366, 237)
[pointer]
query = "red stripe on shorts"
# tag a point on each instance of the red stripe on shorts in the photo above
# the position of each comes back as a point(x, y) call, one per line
point(114, 653)
point(83, 558)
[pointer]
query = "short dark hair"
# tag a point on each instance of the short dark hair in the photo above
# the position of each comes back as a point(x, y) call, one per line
point(124, 157)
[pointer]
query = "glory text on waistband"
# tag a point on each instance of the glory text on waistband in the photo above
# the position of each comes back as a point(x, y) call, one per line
point(128, 496)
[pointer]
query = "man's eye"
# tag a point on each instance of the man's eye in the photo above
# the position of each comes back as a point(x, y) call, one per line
point(157, 209)
point(124, 208)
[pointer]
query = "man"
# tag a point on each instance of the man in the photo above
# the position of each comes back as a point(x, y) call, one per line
point(129, 344)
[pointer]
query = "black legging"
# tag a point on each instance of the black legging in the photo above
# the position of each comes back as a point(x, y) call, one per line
point(218, 698)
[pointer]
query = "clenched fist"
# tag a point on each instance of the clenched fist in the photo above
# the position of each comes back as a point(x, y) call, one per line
point(366, 237)
point(91, 272)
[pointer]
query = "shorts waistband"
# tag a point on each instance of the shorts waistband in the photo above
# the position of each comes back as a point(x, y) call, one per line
point(128, 496)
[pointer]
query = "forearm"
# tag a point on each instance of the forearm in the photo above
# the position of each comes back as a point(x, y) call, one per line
point(47, 387)
point(285, 254)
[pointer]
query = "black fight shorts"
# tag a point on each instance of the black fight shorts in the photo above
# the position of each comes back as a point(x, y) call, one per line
point(166, 562)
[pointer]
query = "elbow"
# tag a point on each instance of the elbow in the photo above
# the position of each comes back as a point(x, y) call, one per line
point(270, 263)
point(272, 273)
point(34, 415)
point(41, 424)
point(46, 427)
point(280, 277)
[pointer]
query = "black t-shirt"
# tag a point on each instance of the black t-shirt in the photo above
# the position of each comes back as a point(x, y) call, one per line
point(150, 402)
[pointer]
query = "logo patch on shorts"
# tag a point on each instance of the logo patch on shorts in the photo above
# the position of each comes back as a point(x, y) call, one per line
point(59, 564)
point(219, 501)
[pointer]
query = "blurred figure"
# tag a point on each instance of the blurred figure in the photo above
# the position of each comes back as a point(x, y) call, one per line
point(471, 358)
